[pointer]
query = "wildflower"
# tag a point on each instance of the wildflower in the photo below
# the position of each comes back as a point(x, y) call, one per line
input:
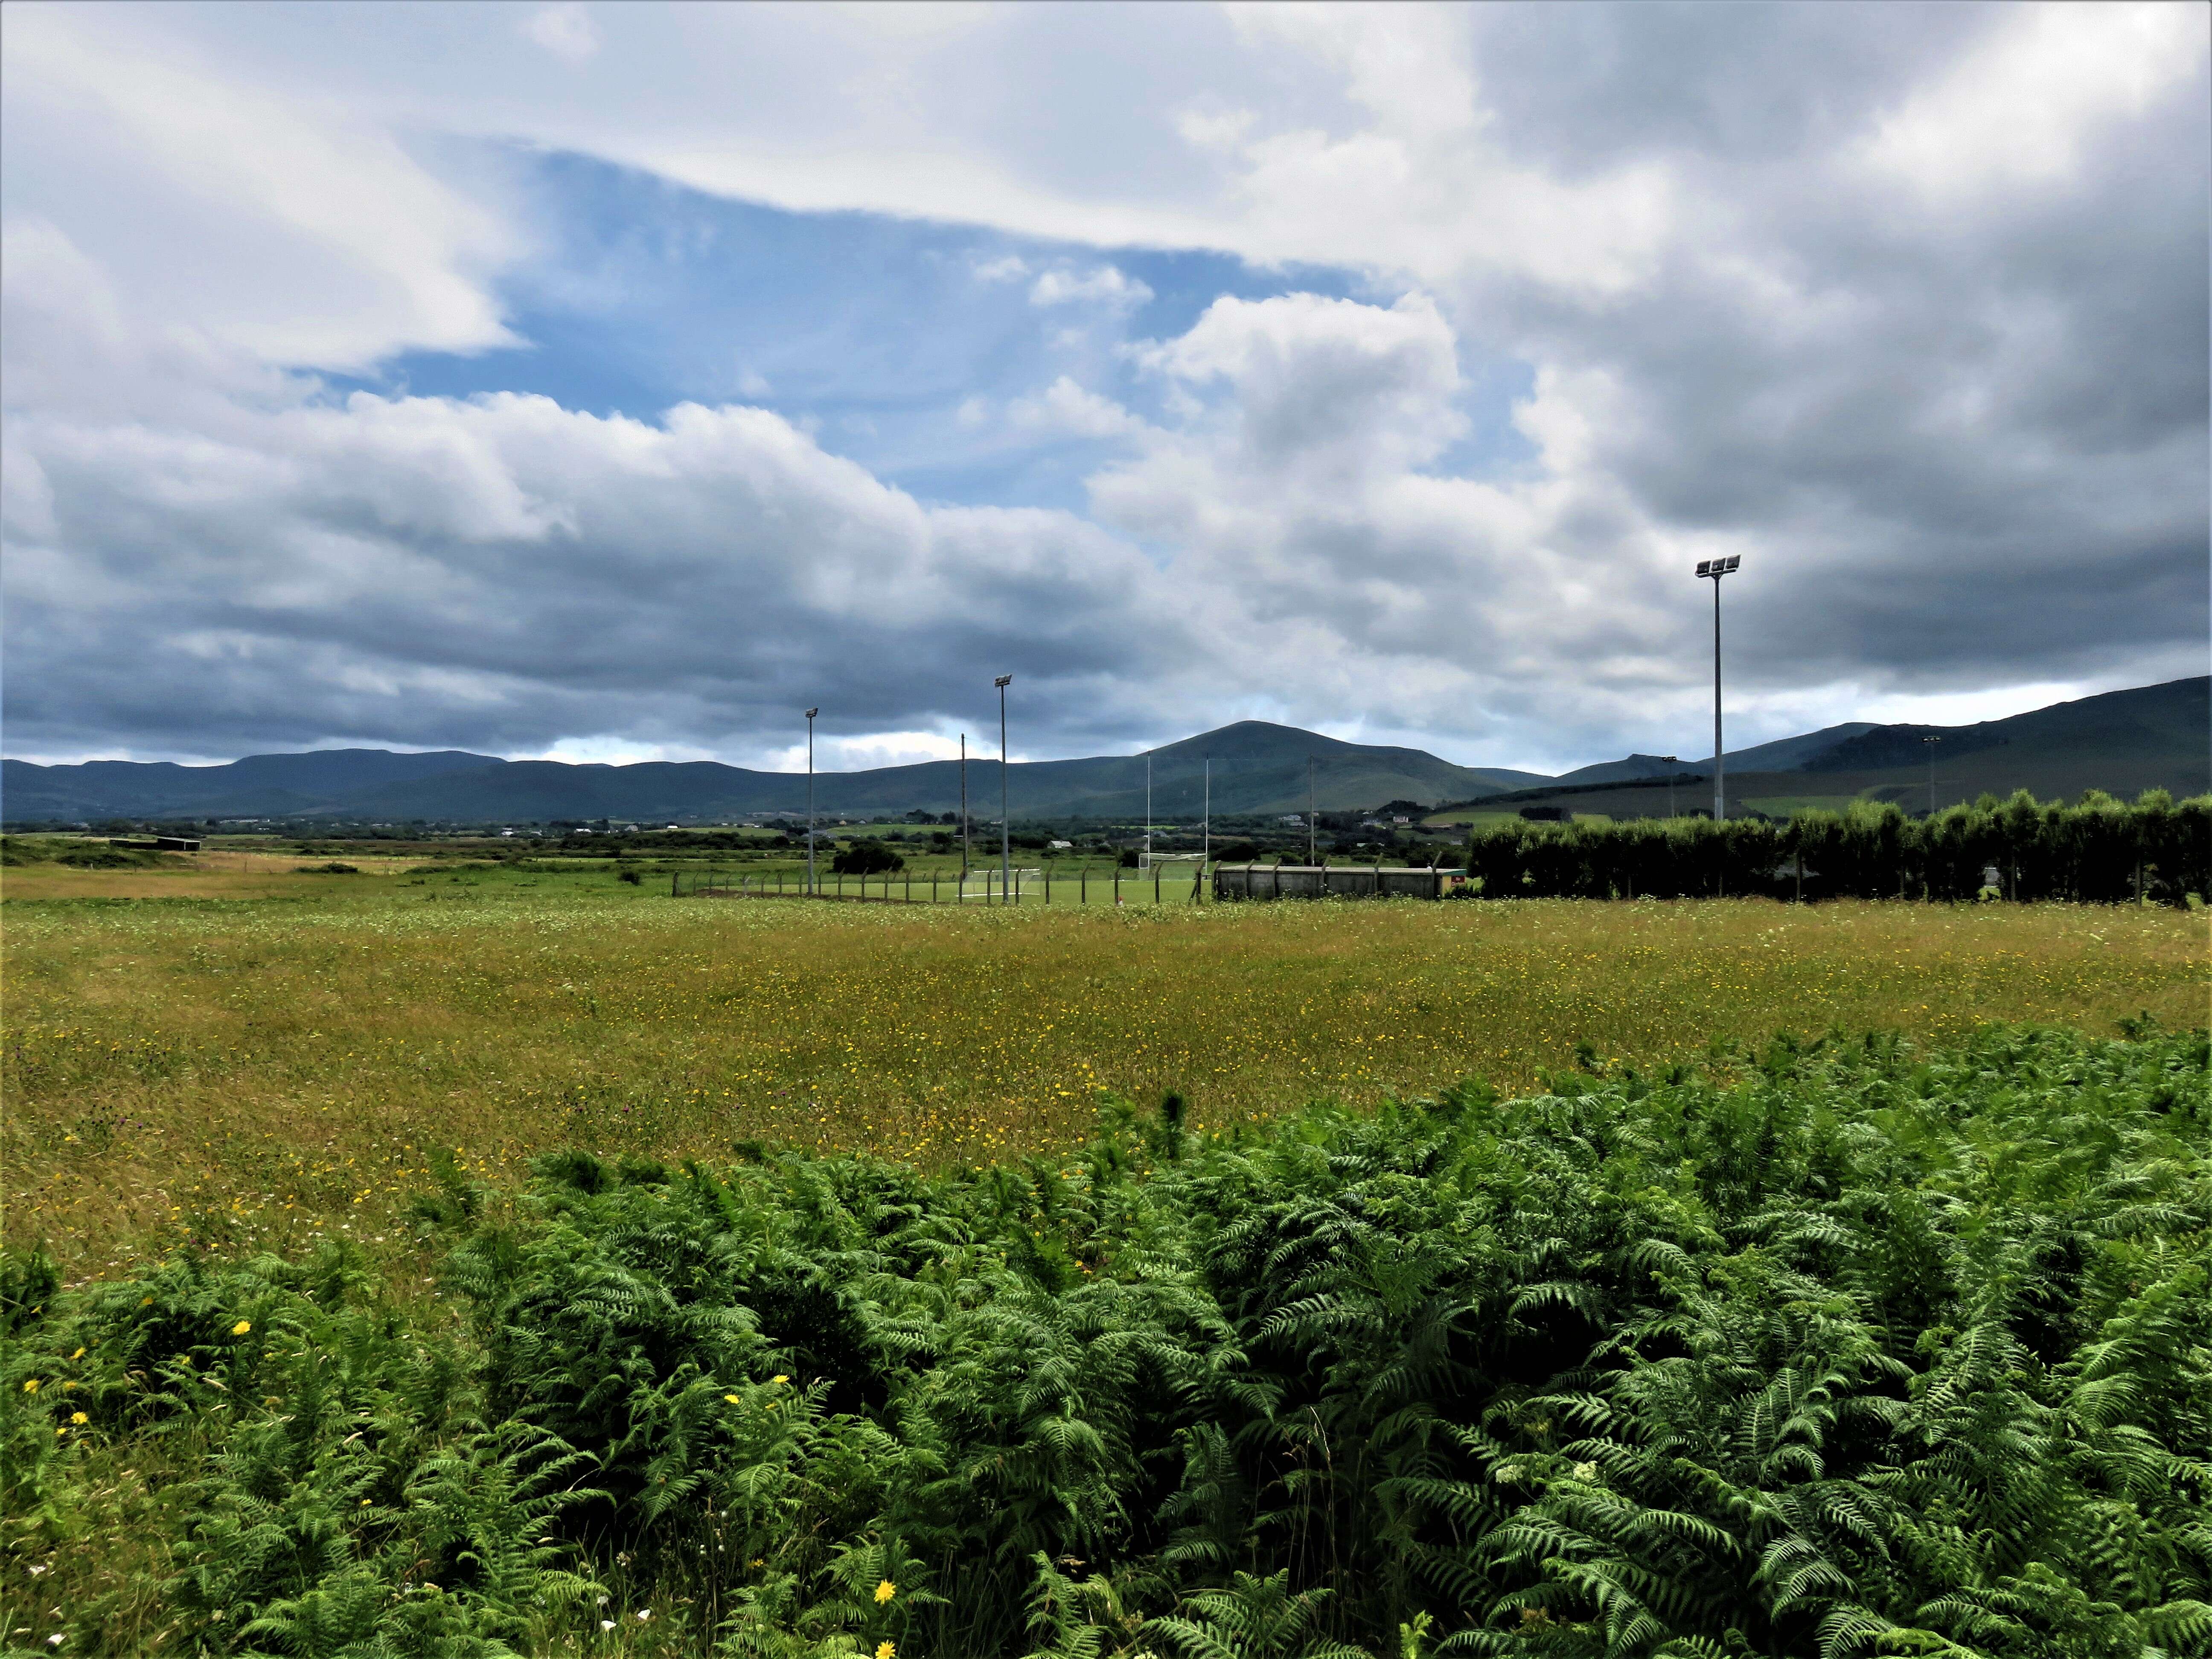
point(733, 1400)
point(606, 1624)
point(146, 1302)
point(31, 1386)
point(886, 1590)
point(887, 1650)
point(79, 1354)
point(242, 1327)
point(779, 1379)
point(55, 1640)
point(69, 1387)
point(79, 1419)
point(644, 1614)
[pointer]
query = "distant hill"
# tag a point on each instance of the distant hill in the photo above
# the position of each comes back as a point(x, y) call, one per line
point(258, 786)
point(2153, 736)
point(1779, 756)
point(1257, 768)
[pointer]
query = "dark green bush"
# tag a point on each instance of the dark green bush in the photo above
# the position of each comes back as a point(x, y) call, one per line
point(2100, 851)
point(865, 857)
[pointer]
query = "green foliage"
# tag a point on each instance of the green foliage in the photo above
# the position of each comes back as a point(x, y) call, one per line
point(865, 857)
point(2097, 851)
point(1831, 1350)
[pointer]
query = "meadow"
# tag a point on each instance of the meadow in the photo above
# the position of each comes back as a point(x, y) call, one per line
point(266, 1057)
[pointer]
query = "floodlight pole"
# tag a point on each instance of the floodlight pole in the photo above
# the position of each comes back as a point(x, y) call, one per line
point(1205, 843)
point(1310, 810)
point(1148, 809)
point(963, 815)
point(811, 714)
point(1931, 743)
point(1712, 570)
point(1672, 760)
point(1005, 824)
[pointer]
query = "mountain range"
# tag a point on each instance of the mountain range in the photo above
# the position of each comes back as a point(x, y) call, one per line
point(2121, 741)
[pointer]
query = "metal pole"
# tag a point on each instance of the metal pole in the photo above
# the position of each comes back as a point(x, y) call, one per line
point(811, 714)
point(1720, 792)
point(1148, 809)
point(1005, 823)
point(963, 815)
point(1205, 843)
point(1309, 810)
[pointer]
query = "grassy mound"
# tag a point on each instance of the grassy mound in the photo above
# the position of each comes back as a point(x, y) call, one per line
point(1873, 1351)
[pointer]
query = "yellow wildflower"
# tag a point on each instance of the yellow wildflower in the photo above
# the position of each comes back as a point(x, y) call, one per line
point(242, 1327)
point(886, 1590)
point(79, 1419)
point(887, 1650)
point(733, 1400)
point(79, 1354)
point(32, 1385)
point(779, 1379)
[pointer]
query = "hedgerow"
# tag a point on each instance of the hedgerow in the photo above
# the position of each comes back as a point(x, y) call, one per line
point(2097, 851)
point(1828, 1350)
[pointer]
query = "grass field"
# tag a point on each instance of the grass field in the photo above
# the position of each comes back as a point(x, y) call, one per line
point(264, 1056)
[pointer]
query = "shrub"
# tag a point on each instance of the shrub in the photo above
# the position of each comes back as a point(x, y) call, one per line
point(867, 857)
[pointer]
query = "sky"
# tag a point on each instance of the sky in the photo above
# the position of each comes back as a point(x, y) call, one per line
point(613, 383)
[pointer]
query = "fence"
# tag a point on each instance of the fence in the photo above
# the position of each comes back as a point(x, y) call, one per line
point(2101, 851)
point(1274, 881)
point(1159, 885)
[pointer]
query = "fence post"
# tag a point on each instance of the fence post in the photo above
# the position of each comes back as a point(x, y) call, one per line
point(1197, 876)
point(1117, 879)
point(673, 878)
point(1155, 884)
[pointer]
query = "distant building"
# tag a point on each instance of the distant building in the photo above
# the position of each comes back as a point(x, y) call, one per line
point(1293, 820)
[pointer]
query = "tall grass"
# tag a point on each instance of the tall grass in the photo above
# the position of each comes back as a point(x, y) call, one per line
point(264, 1073)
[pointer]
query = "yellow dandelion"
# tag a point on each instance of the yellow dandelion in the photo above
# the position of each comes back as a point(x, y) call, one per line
point(32, 1385)
point(887, 1650)
point(780, 1379)
point(242, 1327)
point(79, 1354)
point(733, 1400)
point(79, 1419)
point(886, 1590)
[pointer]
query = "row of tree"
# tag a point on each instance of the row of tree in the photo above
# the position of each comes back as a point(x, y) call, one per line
point(2100, 851)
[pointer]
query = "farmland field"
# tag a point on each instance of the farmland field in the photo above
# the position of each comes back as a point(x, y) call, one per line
point(268, 1055)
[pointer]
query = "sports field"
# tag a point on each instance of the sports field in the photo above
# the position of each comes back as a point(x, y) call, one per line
point(259, 1056)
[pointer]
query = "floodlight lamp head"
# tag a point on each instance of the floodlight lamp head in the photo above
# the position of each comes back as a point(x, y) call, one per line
point(812, 713)
point(1002, 681)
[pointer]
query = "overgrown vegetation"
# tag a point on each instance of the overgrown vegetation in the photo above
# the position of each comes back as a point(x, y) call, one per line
point(2100, 851)
point(1834, 1349)
point(240, 1076)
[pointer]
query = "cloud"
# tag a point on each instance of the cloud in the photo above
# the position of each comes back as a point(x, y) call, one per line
point(566, 31)
point(504, 571)
point(1067, 408)
point(1104, 285)
point(259, 221)
point(1906, 304)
